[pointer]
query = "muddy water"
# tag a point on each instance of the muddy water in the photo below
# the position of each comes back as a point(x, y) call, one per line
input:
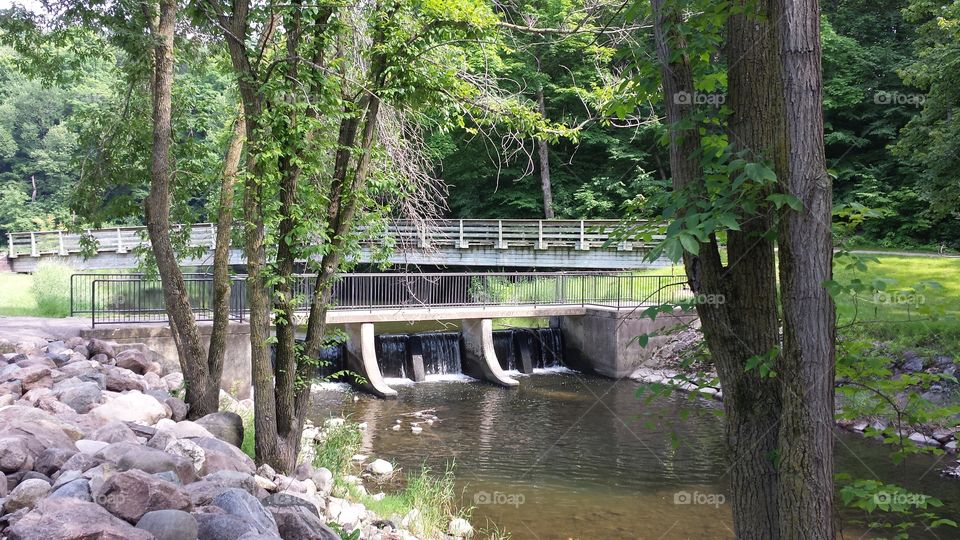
point(573, 456)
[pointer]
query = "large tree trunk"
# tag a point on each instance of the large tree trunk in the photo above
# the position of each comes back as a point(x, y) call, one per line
point(544, 151)
point(745, 323)
point(806, 258)
point(157, 212)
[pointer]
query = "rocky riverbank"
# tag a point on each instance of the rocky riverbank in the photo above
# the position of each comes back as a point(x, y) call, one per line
point(670, 365)
point(94, 445)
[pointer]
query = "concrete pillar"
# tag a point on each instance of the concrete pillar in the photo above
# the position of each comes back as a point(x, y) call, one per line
point(479, 359)
point(415, 360)
point(362, 359)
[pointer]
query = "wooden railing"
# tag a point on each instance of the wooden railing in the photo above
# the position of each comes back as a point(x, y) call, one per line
point(456, 233)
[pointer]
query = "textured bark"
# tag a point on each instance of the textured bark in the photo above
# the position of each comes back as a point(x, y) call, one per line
point(190, 348)
point(805, 493)
point(544, 153)
point(746, 323)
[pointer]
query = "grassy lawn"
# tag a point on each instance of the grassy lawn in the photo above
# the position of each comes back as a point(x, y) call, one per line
point(16, 296)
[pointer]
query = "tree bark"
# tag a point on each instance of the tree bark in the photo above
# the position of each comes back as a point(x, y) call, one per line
point(544, 153)
point(805, 493)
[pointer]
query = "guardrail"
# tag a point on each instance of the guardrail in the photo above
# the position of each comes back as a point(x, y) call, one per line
point(458, 233)
point(126, 298)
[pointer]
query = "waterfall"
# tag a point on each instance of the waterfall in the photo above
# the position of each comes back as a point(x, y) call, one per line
point(392, 354)
point(332, 360)
point(550, 342)
point(441, 353)
point(506, 351)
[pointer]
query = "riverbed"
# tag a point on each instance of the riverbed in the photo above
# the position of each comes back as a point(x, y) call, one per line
point(572, 456)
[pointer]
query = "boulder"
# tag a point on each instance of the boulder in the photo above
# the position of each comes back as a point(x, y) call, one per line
point(189, 450)
point(266, 471)
point(169, 525)
point(131, 407)
point(51, 460)
point(39, 429)
point(133, 360)
point(122, 380)
point(204, 491)
point(30, 377)
point(323, 479)
point(78, 489)
point(66, 518)
point(286, 500)
point(74, 342)
point(128, 456)
point(239, 503)
point(15, 454)
point(217, 445)
point(131, 494)
point(81, 397)
point(222, 526)
point(345, 513)
point(90, 447)
point(178, 409)
point(226, 426)
point(460, 528)
point(303, 471)
point(174, 381)
point(382, 467)
point(911, 362)
point(296, 522)
point(26, 494)
point(80, 462)
point(185, 429)
point(112, 432)
point(96, 346)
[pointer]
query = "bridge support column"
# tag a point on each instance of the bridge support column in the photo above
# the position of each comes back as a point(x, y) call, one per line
point(362, 359)
point(479, 359)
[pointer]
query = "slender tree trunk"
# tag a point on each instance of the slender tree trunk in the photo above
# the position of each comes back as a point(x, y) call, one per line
point(744, 323)
point(544, 152)
point(157, 210)
point(806, 262)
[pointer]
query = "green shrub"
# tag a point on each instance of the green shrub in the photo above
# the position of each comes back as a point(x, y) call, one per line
point(337, 448)
point(51, 288)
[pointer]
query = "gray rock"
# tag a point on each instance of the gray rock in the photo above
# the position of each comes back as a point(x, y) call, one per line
point(51, 460)
point(78, 489)
point(226, 426)
point(323, 479)
point(285, 500)
point(66, 518)
point(133, 360)
point(169, 525)
point(131, 494)
point(911, 362)
point(81, 397)
point(160, 440)
point(122, 380)
point(222, 527)
point(26, 494)
point(80, 462)
point(90, 447)
point(216, 445)
point(15, 454)
point(114, 432)
point(240, 503)
point(30, 377)
point(178, 408)
point(13, 480)
point(303, 471)
point(129, 456)
point(96, 346)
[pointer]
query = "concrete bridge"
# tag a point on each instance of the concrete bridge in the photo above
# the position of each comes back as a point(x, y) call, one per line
point(599, 313)
point(477, 243)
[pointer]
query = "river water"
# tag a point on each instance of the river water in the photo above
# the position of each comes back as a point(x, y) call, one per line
point(572, 456)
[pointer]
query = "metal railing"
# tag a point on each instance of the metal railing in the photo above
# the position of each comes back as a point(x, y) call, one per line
point(456, 233)
point(128, 298)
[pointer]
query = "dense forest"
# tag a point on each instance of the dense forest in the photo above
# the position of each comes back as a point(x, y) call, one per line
point(74, 147)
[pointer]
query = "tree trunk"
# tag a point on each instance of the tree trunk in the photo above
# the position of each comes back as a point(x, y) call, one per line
point(157, 212)
point(544, 152)
point(745, 322)
point(806, 258)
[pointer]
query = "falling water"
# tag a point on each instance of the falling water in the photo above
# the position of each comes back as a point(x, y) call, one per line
point(392, 354)
point(503, 345)
point(550, 341)
point(441, 353)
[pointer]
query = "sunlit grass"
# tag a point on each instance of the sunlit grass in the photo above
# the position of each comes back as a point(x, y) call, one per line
point(16, 296)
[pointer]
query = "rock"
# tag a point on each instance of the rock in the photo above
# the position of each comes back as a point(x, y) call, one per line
point(160, 439)
point(226, 426)
point(923, 440)
point(303, 471)
point(73, 519)
point(169, 525)
point(187, 429)
point(51, 460)
point(122, 380)
point(77, 489)
point(155, 384)
point(189, 450)
point(131, 407)
point(266, 471)
point(80, 462)
point(217, 445)
point(31, 377)
point(239, 503)
point(345, 513)
point(382, 467)
point(39, 429)
point(96, 346)
point(943, 435)
point(74, 342)
point(26, 494)
point(265, 483)
point(129, 456)
point(100, 358)
point(285, 500)
point(178, 409)
point(90, 447)
point(294, 522)
point(912, 363)
point(174, 381)
point(285, 483)
point(222, 527)
point(133, 360)
point(323, 479)
point(114, 432)
point(460, 528)
point(951, 446)
point(131, 494)
point(204, 491)
point(15, 455)
point(81, 397)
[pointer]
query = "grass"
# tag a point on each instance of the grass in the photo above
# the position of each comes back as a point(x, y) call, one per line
point(51, 288)
point(336, 450)
point(16, 296)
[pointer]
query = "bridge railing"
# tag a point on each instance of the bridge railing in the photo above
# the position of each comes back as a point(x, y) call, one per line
point(129, 298)
point(457, 233)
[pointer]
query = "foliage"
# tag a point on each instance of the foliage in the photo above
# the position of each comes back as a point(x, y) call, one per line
point(336, 450)
point(51, 288)
point(888, 507)
point(432, 495)
point(17, 299)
